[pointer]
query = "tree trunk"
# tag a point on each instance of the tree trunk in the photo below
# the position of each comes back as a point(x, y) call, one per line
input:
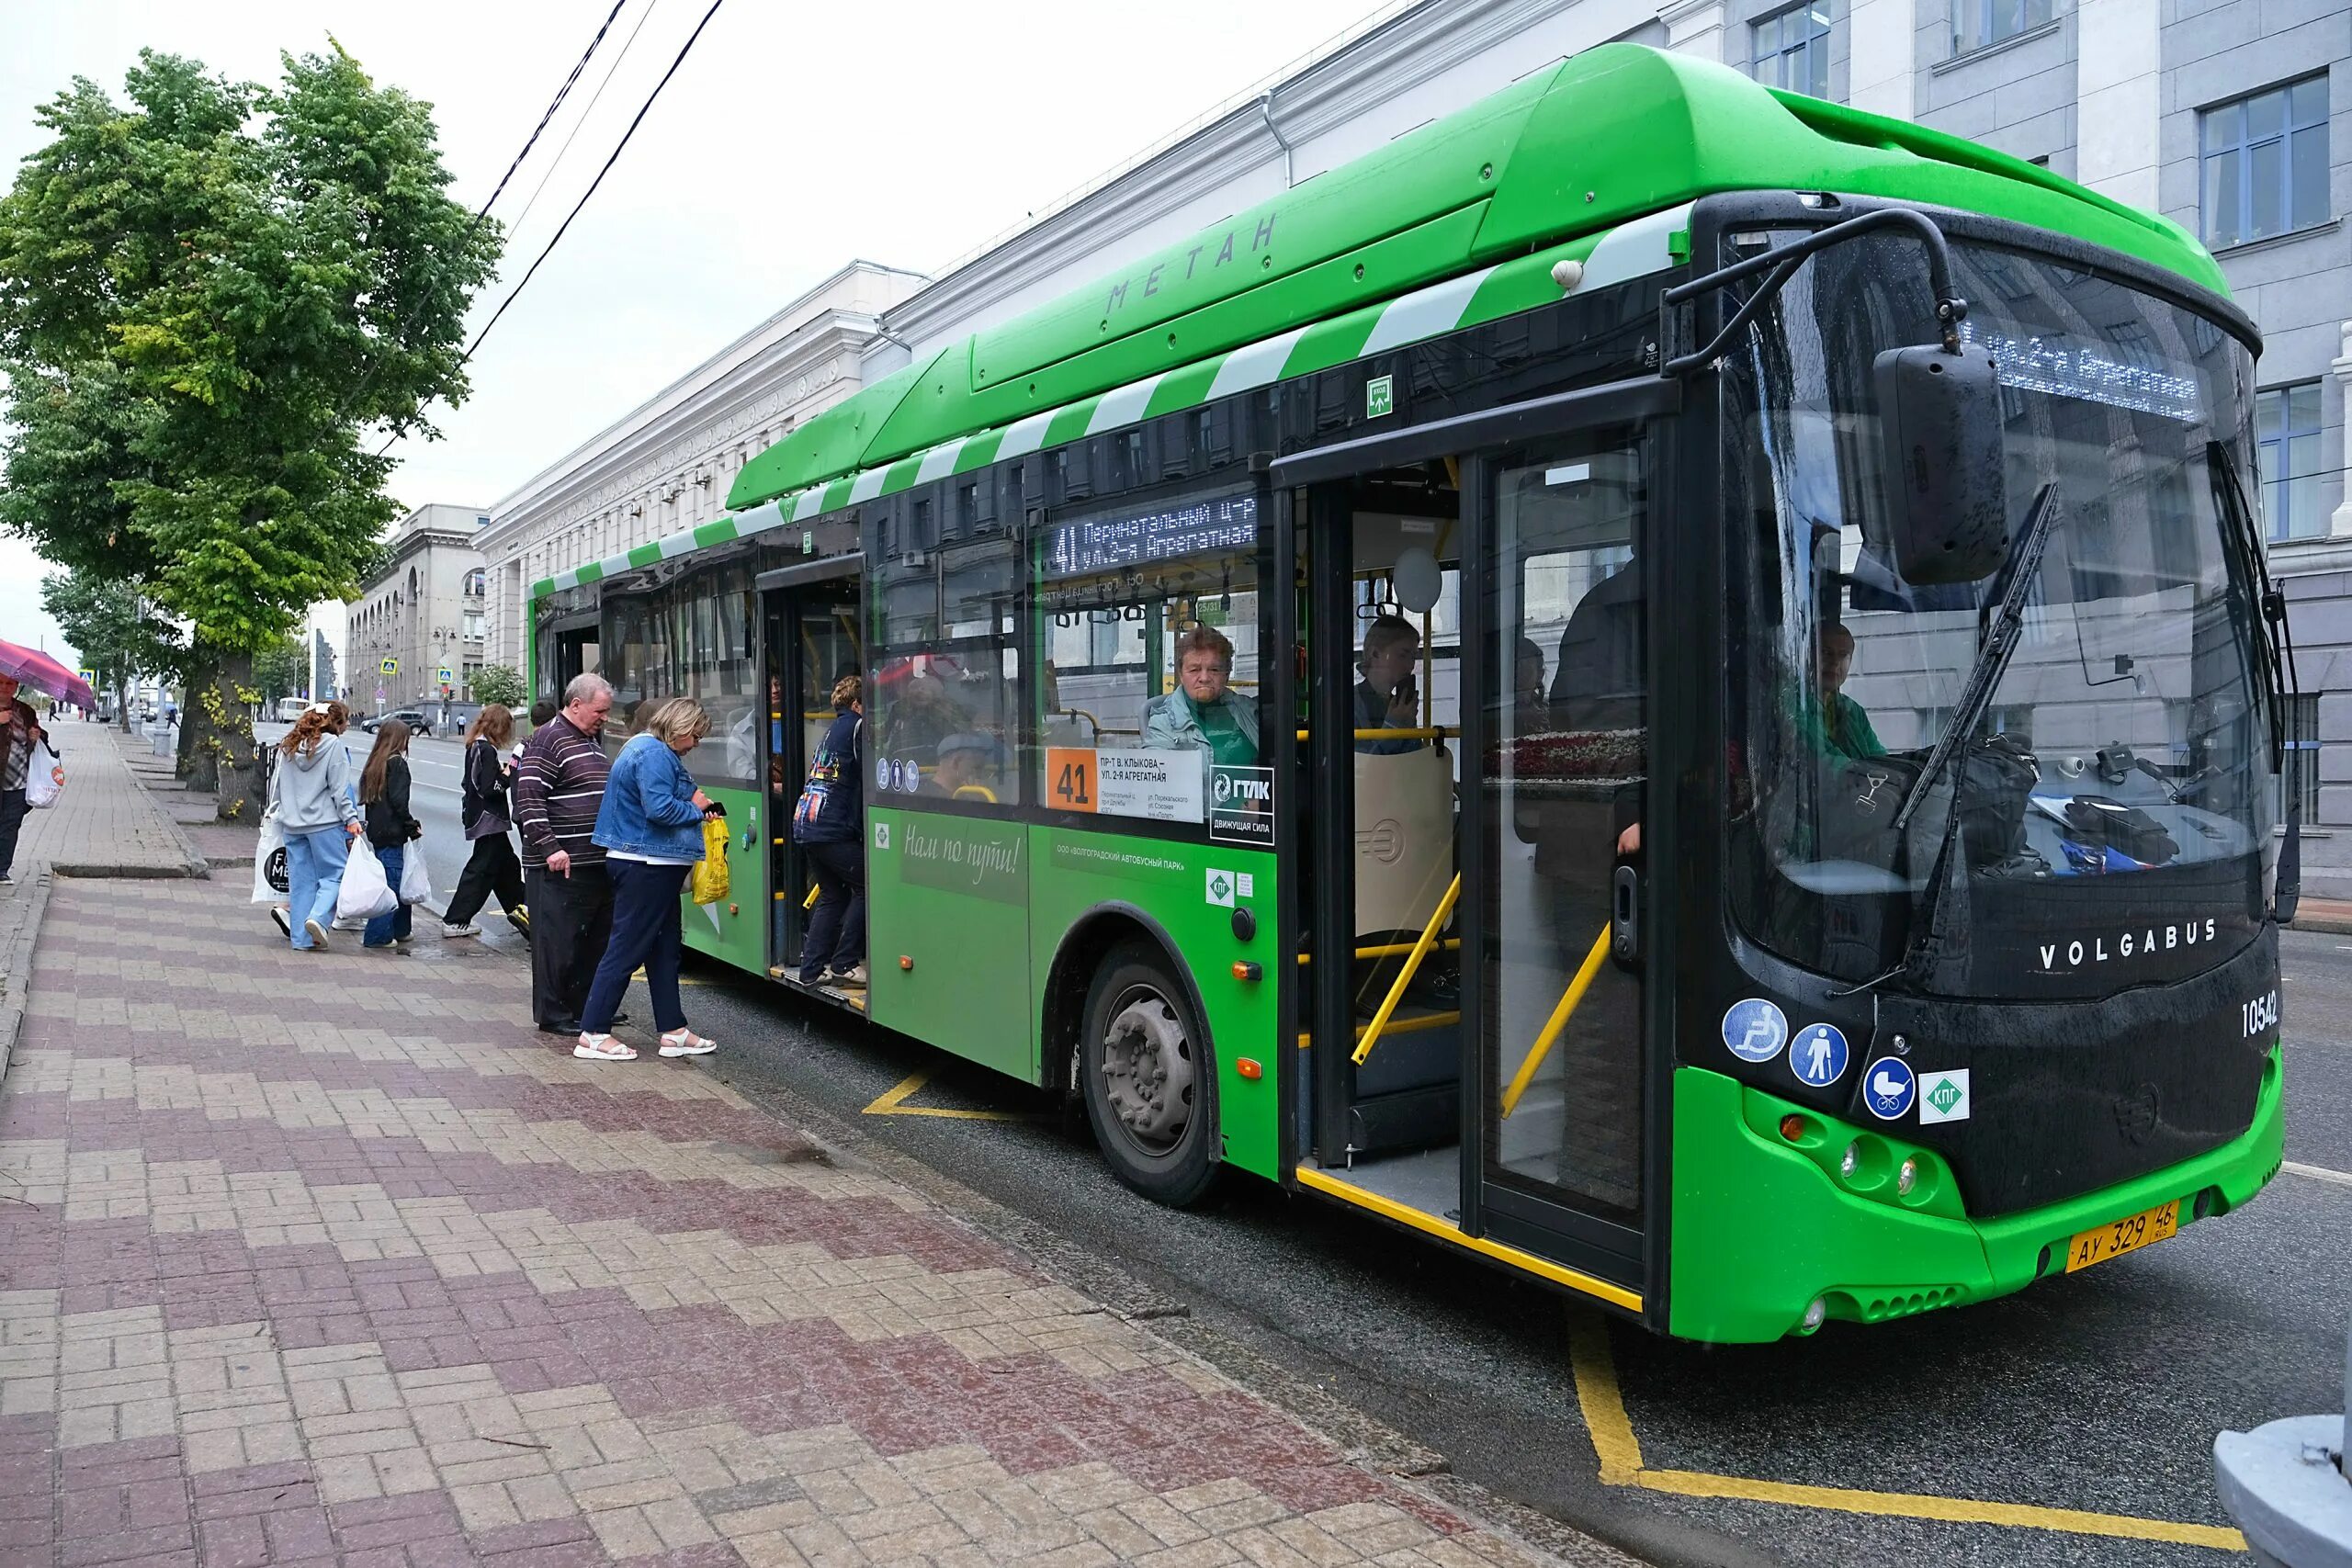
point(220, 713)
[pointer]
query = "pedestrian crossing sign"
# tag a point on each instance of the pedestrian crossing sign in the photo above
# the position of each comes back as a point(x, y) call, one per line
point(389, 667)
point(444, 676)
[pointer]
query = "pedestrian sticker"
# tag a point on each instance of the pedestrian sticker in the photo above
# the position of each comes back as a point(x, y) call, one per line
point(1755, 1030)
point(1889, 1088)
point(1221, 889)
point(1819, 1055)
point(1944, 1097)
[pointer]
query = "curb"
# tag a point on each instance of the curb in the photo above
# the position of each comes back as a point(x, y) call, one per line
point(16, 969)
point(2332, 925)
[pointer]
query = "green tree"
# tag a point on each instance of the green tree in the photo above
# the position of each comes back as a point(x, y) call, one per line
point(215, 299)
point(105, 623)
point(283, 670)
point(500, 683)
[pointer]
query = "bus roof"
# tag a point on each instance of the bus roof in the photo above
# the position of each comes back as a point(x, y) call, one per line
point(1601, 137)
point(1595, 158)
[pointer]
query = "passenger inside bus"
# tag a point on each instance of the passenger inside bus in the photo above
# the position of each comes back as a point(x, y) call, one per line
point(1201, 713)
point(970, 767)
point(1388, 697)
point(1834, 723)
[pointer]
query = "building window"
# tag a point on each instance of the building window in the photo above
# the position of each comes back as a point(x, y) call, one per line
point(473, 626)
point(2299, 780)
point(2286, 454)
point(1793, 50)
point(2265, 164)
point(1977, 23)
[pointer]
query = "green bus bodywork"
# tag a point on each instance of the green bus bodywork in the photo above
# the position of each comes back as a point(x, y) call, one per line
point(1594, 159)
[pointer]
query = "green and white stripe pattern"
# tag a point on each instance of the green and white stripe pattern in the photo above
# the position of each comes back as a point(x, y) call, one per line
point(1646, 244)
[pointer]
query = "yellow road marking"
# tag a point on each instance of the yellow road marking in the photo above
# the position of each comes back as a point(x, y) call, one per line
point(1620, 1453)
point(893, 1103)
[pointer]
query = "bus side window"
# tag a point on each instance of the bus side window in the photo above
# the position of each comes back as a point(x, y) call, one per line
point(947, 678)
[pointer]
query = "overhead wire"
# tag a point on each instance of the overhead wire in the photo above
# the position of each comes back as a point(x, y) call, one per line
point(554, 104)
point(585, 195)
point(587, 114)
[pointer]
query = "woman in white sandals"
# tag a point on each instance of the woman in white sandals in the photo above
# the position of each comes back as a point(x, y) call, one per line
point(650, 827)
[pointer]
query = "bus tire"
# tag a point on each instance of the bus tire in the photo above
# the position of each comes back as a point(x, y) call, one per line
point(1150, 1087)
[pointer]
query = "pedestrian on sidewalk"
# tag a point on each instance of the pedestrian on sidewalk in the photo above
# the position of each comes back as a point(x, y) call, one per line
point(20, 735)
point(311, 789)
point(650, 827)
point(485, 813)
point(383, 790)
point(559, 789)
point(829, 822)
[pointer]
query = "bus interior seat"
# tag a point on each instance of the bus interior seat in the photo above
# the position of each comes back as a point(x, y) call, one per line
point(1407, 1093)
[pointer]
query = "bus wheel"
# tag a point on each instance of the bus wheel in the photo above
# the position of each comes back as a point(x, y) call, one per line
point(1150, 1091)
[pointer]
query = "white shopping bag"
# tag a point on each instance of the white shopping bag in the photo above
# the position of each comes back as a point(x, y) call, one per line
point(416, 883)
point(41, 788)
point(269, 855)
point(365, 893)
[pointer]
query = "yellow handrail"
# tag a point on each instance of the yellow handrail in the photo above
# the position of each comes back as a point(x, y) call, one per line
point(1434, 732)
point(1426, 1020)
point(1405, 975)
point(1558, 1021)
point(1391, 948)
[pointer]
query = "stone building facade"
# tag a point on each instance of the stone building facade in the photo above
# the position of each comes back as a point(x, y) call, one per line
point(427, 612)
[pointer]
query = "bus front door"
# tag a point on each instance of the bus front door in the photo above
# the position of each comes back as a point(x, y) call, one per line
point(1561, 526)
point(812, 635)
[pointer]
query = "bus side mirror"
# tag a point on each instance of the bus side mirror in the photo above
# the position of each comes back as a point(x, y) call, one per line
point(1939, 419)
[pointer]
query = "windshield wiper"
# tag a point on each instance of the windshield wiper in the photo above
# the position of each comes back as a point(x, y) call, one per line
point(2024, 569)
point(2274, 662)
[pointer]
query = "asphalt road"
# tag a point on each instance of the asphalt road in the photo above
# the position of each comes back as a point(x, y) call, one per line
point(1978, 1435)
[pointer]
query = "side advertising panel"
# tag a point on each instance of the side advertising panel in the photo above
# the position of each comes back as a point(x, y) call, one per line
point(947, 935)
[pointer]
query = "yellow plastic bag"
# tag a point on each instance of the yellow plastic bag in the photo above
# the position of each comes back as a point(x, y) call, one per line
point(710, 873)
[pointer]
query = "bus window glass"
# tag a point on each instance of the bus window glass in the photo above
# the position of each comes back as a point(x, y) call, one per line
point(1567, 693)
point(945, 699)
point(1150, 686)
point(712, 613)
point(2122, 764)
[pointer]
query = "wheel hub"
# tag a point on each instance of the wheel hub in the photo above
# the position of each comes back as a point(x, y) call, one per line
point(1148, 1070)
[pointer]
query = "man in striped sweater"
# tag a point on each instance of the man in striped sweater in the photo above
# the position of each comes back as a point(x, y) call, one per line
point(557, 789)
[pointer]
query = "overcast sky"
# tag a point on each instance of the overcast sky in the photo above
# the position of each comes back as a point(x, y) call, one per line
point(796, 138)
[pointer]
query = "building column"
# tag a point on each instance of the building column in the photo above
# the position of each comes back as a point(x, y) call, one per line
point(1694, 27)
point(2117, 66)
point(2340, 522)
point(1882, 49)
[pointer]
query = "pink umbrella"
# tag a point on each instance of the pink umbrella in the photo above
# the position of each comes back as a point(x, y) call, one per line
point(30, 667)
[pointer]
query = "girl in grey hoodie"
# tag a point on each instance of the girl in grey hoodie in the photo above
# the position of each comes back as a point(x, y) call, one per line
point(311, 790)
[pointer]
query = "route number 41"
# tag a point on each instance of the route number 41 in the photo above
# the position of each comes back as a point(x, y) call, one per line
point(1071, 769)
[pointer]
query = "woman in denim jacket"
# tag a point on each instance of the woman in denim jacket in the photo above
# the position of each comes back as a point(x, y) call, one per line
point(650, 827)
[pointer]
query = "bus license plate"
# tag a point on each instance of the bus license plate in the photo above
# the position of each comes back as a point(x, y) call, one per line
point(2098, 1244)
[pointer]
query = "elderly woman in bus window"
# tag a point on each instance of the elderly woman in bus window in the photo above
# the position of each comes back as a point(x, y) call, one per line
point(1201, 713)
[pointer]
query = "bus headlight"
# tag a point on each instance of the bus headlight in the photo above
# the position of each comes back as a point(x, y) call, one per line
point(1852, 1160)
point(1908, 1177)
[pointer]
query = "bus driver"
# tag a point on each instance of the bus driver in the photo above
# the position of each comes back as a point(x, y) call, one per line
point(1201, 713)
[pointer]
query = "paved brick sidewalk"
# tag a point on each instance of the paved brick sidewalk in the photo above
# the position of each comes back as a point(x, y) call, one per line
point(106, 823)
point(308, 1259)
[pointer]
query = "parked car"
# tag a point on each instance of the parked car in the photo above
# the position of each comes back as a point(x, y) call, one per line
point(413, 718)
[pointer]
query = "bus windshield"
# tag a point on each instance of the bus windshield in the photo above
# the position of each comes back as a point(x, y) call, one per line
point(2115, 803)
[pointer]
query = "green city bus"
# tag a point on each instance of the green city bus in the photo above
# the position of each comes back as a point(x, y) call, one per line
point(1669, 683)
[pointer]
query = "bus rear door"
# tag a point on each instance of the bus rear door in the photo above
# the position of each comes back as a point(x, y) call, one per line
point(809, 620)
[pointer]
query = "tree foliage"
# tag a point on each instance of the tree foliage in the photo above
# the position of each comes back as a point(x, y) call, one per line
point(283, 670)
point(500, 683)
point(103, 622)
point(215, 298)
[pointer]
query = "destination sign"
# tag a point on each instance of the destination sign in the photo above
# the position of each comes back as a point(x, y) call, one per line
point(2052, 364)
point(1086, 545)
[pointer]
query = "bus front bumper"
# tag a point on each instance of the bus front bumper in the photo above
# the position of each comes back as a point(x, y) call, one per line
point(1773, 1235)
